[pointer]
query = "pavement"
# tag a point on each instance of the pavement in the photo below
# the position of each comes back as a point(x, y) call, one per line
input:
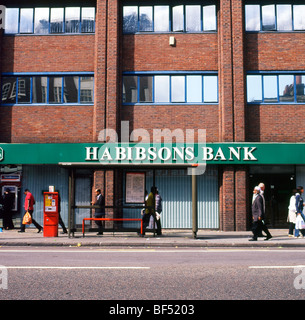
point(175, 238)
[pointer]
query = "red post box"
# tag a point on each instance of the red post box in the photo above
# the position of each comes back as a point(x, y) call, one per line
point(50, 214)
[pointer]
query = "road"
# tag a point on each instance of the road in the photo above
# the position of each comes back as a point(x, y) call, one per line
point(151, 274)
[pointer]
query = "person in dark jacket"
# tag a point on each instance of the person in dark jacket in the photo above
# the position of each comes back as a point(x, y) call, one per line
point(257, 213)
point(8, 204)
point(99, 212)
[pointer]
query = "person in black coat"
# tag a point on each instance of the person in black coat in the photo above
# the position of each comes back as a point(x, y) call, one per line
point(257, 214)
point(8, 201)
point(99, 212)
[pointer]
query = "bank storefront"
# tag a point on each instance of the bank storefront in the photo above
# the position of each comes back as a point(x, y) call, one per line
point(188, 178)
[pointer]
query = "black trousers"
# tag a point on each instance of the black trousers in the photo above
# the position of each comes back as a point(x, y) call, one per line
point(37, 225)
point(259, 226)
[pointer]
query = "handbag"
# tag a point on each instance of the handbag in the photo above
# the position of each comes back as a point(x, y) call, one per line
point(27, 218)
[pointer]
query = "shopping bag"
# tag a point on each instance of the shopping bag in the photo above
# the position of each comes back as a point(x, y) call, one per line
point(27, 218)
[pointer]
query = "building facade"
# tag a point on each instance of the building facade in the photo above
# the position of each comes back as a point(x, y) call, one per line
point(233, 69)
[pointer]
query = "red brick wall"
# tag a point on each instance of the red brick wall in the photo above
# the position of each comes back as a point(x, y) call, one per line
point(47, 53)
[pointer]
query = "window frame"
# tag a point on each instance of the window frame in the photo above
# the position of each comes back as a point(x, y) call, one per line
point(277, 24)
point(204, 75)
point(278, 74)
point(80, 31)
point(171, 8)
point(48, 75)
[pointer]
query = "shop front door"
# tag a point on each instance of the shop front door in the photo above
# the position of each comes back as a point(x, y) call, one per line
point(277, 194)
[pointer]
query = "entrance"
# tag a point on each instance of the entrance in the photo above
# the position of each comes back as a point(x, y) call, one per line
point(278, 190)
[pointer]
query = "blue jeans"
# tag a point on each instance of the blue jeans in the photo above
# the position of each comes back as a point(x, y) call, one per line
point(297, 231)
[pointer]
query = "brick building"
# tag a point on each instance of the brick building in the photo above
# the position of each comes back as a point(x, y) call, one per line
point(233, 68)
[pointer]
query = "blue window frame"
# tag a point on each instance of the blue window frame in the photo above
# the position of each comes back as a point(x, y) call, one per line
point(170, 18)
point(170, 88)
point(276, 87)
point(47, 88)
point(45, 20)
point(283, 17)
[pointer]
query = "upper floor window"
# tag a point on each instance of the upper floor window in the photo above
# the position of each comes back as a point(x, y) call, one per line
point(163, 88)
point(276, 88)
point(165, 18)
point(275, 17)
point(47, 89)
point(44, 20)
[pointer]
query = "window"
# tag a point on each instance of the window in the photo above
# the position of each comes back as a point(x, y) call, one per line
point(72, 20)
point(26, 20)
point(275, 17)
point(44, 20)
point(57, 89)
point(276, 88)
point(170, 88)
point(41, 23)
point(11, 20)
point(166, 18)
point(57, 20)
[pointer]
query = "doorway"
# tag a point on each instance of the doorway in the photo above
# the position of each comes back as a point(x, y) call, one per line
point(278, 190)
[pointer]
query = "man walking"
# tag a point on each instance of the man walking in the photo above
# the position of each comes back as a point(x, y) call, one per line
point(29, 206)
point(264, 227)
point(99, 212)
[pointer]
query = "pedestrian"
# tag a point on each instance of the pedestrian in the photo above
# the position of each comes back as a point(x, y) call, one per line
point(257, 213)
point(299, 204)
point(264, 227)
point(149, 210)
point(29, 206)
point(8, 202)
point(60, 221)
point(158, 199)
point(292, 215)
point(100, 211)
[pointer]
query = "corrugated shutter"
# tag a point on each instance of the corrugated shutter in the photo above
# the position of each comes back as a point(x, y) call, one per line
point(175, 187)
point(38, 179)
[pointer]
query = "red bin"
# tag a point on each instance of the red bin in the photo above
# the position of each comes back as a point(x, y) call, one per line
point(50, 214)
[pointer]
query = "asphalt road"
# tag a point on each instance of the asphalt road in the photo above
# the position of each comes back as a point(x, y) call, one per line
point(151, 274)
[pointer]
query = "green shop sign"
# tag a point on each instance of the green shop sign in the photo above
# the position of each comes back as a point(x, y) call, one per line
point(152, 154)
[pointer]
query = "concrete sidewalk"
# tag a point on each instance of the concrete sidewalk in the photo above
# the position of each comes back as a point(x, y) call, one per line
point(170, 238)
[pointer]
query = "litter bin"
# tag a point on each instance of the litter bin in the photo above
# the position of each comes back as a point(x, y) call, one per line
point(50, 214)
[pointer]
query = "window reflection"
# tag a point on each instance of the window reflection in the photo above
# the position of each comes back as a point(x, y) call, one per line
point(193, 23)
point(71, 89)
point(210, 86)
point(55, 90)
point(300, 88)
point(130, 89)
point(253, 18)
point(26, 20)
point(88, 19)
point(11, 20)
point(41, 23)
point(9, 90)
point(178, 89)
point(286, 88)
point(146, 83)
point(130, 19)
point(86, 89)
point(299, 17)
point(284, 17)
point(209, 18)
point(161, 89)
point(254, 88)
point(39, 91)
point(270, 89)
point(268, 17)
point(178, 21)
point(146, 22)
point(161, 18)
point(72, 20)
point(57, 20)
point(194, 89)
point(24, 90)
